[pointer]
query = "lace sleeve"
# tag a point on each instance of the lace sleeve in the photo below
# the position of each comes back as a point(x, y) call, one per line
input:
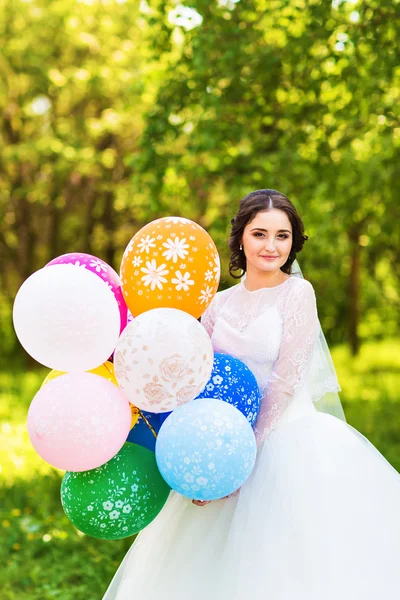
point(300, 331)
point(209, 315)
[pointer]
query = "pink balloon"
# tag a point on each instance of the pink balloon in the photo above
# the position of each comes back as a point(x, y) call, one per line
point(78, 421)
point(102, 270)
point(129, 319)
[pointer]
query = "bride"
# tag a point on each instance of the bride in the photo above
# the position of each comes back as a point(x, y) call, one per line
point(318, 519)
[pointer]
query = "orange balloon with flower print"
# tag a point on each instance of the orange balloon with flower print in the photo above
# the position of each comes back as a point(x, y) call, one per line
point(171, 262)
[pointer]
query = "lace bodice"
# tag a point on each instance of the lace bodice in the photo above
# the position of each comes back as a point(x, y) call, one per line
point(273, 331)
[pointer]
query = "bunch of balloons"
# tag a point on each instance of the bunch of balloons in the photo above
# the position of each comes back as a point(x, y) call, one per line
point(124, 353)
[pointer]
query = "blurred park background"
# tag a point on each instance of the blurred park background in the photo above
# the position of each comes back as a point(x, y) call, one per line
point(116, 112)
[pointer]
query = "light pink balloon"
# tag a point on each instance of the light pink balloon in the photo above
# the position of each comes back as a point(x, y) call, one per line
point(102, 270)
point(78, 421)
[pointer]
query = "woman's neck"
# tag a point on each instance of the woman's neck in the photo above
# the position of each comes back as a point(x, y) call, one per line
point(255, 281)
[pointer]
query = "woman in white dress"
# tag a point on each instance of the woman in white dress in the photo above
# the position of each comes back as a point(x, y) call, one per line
point(318, 519)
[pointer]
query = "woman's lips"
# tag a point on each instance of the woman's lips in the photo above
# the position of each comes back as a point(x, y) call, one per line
point(269, 257)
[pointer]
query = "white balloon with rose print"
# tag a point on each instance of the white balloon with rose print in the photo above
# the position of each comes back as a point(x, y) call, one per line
point(163, 359)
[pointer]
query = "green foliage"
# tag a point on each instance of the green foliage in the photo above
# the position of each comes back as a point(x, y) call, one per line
point(298, 96)
point(115, 113)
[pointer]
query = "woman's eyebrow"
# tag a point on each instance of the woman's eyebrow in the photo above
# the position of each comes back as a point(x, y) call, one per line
point(260, 229)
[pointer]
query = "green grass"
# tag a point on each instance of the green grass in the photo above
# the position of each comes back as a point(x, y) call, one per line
point(43, 556)
point(371, 393)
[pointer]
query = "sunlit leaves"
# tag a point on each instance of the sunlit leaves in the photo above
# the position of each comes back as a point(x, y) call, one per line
point(173, 107)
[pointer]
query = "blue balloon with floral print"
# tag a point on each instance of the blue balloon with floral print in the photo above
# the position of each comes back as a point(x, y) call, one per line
point(141, 434)
point(164, 416)
point(206, 449)
point(232, 381)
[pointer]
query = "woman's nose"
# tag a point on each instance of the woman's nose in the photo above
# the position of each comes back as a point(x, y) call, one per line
point(270, 245)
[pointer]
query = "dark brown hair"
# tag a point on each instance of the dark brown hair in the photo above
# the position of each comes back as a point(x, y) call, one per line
point(250, 206)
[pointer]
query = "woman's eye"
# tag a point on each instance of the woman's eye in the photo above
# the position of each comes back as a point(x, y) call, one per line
point(283, 236)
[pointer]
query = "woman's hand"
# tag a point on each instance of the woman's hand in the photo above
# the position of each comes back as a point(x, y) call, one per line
point(235, 493)
point(204, 502)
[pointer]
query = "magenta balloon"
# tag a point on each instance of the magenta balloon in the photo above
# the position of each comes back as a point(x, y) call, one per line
point(102, 270)
point(78, 421)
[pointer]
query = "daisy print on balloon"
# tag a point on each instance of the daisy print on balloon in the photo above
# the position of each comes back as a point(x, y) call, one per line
point(171, 262)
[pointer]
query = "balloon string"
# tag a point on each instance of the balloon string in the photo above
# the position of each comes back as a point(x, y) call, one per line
point(136, 411)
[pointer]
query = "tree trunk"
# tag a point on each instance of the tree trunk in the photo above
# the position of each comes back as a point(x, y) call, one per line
point(354, 289)
point(89, 199)
point(54, 230)
point(109, 224)
point(26, 236)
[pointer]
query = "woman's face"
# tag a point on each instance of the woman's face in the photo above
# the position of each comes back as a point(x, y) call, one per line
point(269, 234)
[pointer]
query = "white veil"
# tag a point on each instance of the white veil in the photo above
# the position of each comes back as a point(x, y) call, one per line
point(322, 381)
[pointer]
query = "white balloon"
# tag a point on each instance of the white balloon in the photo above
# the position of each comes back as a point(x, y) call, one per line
point(66, 318)
point(163, 359)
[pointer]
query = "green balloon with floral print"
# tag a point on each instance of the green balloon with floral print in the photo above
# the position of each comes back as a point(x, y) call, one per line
point(117, 499)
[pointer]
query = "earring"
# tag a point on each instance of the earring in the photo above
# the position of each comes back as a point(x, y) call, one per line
point(240, 247)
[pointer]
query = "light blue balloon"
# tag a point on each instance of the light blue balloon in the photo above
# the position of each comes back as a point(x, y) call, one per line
point(206, 449)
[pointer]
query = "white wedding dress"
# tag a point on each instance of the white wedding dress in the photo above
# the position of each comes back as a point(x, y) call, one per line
point(319, 517)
